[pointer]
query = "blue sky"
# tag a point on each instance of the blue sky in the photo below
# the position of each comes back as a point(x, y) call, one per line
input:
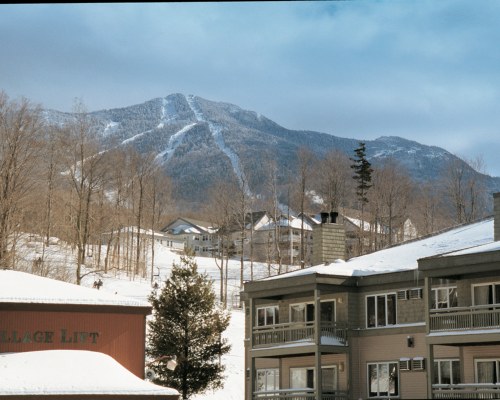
point(424, 70)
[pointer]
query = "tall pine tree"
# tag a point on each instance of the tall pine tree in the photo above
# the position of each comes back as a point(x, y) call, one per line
point(188, 324)
point(363, 176)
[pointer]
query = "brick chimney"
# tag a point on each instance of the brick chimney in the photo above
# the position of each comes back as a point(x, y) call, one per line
point(496, 215)
point(328, 240)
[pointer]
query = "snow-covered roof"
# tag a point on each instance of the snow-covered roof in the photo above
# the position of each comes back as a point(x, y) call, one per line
point(465, 239)
point(91, 373)
point(493, 246)
point(21, 287)
point(295, 223)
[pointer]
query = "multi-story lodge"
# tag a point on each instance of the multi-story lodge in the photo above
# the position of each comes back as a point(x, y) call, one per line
point(418, 320)
point(197, 236)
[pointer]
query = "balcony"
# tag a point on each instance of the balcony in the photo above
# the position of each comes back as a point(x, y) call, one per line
point(332, 333)
point(299, 394)
point(465, 318)
point(466, 391)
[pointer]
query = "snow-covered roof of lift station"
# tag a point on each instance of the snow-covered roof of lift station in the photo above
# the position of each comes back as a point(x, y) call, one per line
point(37, 373)
point(21, 287)
point(470, 238)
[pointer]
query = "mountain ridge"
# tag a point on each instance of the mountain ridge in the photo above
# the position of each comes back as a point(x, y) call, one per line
point(199, 140)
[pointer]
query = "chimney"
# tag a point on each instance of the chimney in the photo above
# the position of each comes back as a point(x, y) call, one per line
point(496, 215)
point(328, 240)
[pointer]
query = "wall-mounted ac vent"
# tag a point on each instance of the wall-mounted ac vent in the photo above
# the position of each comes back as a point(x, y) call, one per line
point(418, 364)
point(404, 364)
point(402, 294)
point(416, 293)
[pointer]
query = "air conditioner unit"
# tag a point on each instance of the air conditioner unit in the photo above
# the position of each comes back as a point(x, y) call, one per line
point(404, 364)
point(416, 293)
point(418, 364)
point(402, 294)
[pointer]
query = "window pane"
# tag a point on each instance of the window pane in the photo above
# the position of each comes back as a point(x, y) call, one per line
point(328, 311)
point(310, 379)
point(298, 378)
point(270, 316)
point(276, 315)
point(442, 298)
point(381, 311)
point(453, 297)
point(393, 379)
point(383, 379)
point(310, 312)
point(391, 309)
point(270, 379)
point(481, 295)
point(298, 313)
point(329, 379)
point(261, 317)
point(486, 372)
point(436, 372)
point(261, 380)
point(370, 311)
point(373, 380)
point(433, 299)
point(497, 294)
point(445, 372)
point(455, 372)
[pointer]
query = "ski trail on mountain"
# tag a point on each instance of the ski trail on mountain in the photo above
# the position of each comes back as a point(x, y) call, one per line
point(174, 142)
point(219, 140)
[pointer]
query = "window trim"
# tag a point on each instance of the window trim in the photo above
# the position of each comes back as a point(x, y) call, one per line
point(276, 376)
point(274, 307)
point(314, 315)
point(435, 289)
point(450, 360)
point(335, 367)
point(474, 285)
point(478, 360)
point(378, 396)
point(376, 309)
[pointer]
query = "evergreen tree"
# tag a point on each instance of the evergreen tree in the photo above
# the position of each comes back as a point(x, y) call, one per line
point(363, 176)
point(188, 324)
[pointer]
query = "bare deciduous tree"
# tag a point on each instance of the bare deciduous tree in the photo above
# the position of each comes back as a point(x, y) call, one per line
point(463, 185)
point(20, 129)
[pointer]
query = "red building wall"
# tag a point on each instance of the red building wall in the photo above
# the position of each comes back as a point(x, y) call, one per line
point(111, 331)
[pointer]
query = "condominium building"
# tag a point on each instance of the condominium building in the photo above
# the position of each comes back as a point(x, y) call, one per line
point(414, 321)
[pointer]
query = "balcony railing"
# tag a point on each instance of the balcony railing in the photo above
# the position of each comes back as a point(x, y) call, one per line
point(332, 333)
point(465, 318)
point(299, 394)
point(467, 391)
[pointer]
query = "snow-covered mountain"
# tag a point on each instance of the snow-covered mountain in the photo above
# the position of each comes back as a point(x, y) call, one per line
point(199, 141)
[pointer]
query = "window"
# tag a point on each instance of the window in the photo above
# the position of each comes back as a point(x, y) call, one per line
point(303, 312)
point(486, 294)
point(383, 379)
point(303, 378)
point(444, 297)
point(328, 311)
point(487, 371)
point(381, 310)
point(267, 380)
point(446, 372)
point(267, 316)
